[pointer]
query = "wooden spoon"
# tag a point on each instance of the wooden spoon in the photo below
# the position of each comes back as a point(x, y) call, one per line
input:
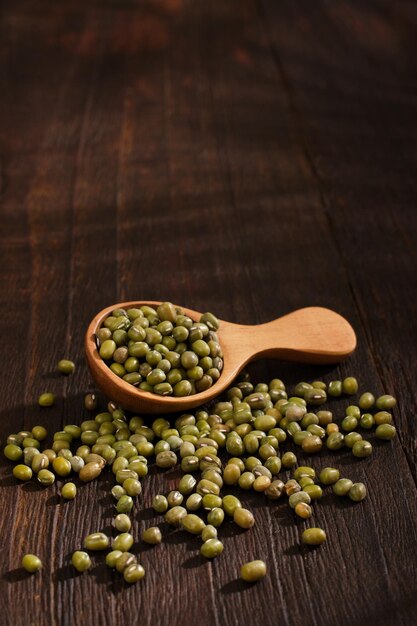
point(310, 335)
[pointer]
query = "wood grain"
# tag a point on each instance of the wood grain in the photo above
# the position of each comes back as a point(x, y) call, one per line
point(249, 157)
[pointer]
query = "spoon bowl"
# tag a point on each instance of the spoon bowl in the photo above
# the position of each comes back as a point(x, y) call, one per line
point(309, 335)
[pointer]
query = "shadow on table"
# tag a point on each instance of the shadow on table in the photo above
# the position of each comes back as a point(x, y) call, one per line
point(235, 586)
point(194, 561)
point(16, 575)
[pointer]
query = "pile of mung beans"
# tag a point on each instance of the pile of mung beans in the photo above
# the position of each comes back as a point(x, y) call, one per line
point(162, 350)
point(239, 443)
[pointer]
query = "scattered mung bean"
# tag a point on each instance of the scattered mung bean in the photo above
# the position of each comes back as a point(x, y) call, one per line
point(152, 535)
point(243, 517)
point(46, 399)
point(31, 563)
point(357, 492)
point(133, 573)
point(313, 536)
point(211, 548)
point(96, 541)
point(69, 491)
point(253, 571)
point(65, 366)
point(385, 431)
point(81, 560)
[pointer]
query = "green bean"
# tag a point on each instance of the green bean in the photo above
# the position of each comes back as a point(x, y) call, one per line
point(315, 396)
point(209, 532)
point(31, 563)
point(385, 431)
point(367, 421)
point(192, 523)
point(117, 492)
point(39, 462)
point(350, 385)
point(335, 441)
point(303, 510)
point(69, 491)
point(166, 459)
point(174, 498)
point(246, 480)
point(124, 504)
point(230, 503)
point(187, 484)
point(300, 496)
point(65, 366)
point(253, 571)
point(39, 432)
point(46, 399)
point(349, 423)
point(132, 486)
point(96, 541)
point(210, 501)
point(342, 486)
point(304, 470)
point(45, 477)
point(123, 542)
point(311, 444)
point(122, 523)
point(314, 491)
point(362, 449)
point(305, 481)
point(275, 490)
point(13, 452)
point(243, 518)
point(329, 476)
point(288, 460)
point(324, 417)
point(152, 535)
point(125, 560)
point(211, 548)
point(301, 388)
point(357, 492)
point(133, 573)
point(334, 388)
point(22, 472)
point(90, 401)
point(313, 536)
point(273, 464)
point(291, 486)
point(366, 401)
point(194, 502)
point(81, 561)
point(382, 417)
point(215, 517)
point(351, 439)
point(112, 557)
point(385, 402)
point(90, 471)
point(173, 516)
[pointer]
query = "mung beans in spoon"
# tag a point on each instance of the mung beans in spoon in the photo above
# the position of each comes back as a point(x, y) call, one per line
point(147, 365)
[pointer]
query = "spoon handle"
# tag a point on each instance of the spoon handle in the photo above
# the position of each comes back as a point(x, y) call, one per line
point(309, 335)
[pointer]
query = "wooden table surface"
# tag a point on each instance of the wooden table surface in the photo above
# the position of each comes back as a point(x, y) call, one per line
point(247, 157)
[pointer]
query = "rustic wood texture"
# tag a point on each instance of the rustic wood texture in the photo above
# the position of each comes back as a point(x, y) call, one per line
point(251, 157)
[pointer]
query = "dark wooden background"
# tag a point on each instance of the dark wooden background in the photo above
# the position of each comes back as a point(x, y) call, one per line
point(248, 157)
